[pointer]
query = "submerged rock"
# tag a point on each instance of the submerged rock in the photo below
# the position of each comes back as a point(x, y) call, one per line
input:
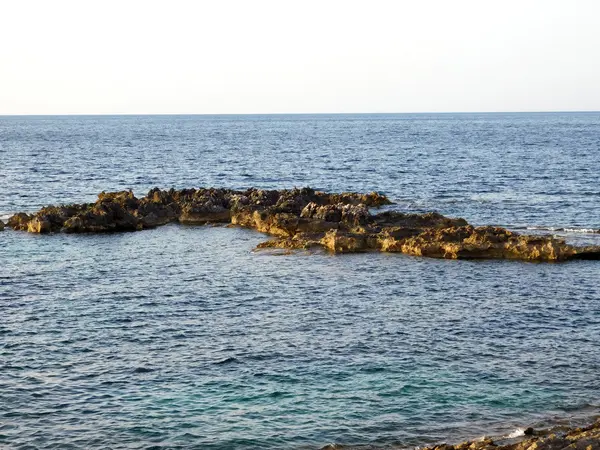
point(302, 219)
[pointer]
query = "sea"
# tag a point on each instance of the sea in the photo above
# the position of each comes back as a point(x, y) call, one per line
point(186, 337)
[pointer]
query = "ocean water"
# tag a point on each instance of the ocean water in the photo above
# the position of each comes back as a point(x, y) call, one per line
point(184, 337)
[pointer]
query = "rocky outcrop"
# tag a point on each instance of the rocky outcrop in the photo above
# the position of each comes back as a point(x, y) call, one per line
point(302, 219)
point(559, 438)
point(1, 225)
point(19, 221)
point(586, 438)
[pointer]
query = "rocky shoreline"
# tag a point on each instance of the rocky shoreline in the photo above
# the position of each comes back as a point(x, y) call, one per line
point(556, 438)
point(302, 219)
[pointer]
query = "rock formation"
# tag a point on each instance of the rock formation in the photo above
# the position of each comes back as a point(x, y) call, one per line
point(302, 219)
point(584, 438)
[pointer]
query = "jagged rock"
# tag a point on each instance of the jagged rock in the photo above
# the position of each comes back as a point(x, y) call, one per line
point(205, 213)
point(260, 197)
point(19, 221)
point(300, 241)
point(303, 218)
point(352, 215)
point(587, 438)
point(106, 215)
point(427, 220)
point(373, 199)
point(125, 199)
point(39, 225)
point(339, 242)
point(295, 200)
point(267, 221)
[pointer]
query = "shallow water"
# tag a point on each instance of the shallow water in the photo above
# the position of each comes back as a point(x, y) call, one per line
point(184, 337)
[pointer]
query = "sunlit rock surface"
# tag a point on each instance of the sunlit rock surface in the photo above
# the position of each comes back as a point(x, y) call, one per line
point(303, 219)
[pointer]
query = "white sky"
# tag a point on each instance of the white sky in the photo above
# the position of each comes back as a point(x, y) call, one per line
point(259, 56)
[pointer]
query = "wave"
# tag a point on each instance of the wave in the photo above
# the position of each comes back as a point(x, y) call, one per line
point(567, 229)
point(516, 433)
point(582, 230)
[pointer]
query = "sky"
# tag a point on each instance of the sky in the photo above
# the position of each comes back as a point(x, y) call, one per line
point(326, 56)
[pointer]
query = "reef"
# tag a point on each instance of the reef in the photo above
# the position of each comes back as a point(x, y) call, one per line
point(303, 219)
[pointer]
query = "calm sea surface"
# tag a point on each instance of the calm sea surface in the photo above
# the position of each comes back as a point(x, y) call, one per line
point(183, 337)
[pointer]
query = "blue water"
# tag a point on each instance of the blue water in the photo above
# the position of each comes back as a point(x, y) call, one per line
point(183, 337)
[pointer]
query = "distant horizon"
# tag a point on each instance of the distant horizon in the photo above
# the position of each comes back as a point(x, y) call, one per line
point(591, 111)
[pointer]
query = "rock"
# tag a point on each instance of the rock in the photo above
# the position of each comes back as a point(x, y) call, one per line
point(340, 242)
point(19, 221)
point(295, 200)
point(428, 220)
point(298, 242)
point(444, 447)
point(267, 221)
point(1, 225)
point(39, 225)
point(589, 252)
point(332, 447)
point(551, 442)
point(303, 218)
point(206, 213)
point(125, 199)
point(373, 199)
point(351, 215)
point(587, 438)
point(108, 214)
point(482, 444)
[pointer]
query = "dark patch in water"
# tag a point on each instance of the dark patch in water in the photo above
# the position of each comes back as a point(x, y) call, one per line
point(230, 360)
point(143, 370)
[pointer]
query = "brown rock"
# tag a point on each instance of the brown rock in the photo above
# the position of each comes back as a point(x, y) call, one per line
point(373, 199)
point(350, 215)
point(207, 213)
point(267, 221)
point(340, 242)
point(303, 218)
point(19, 221)
point(587, 438)
point(39, 225)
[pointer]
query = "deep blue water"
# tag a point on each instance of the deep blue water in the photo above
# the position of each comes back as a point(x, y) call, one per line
point(183, 337)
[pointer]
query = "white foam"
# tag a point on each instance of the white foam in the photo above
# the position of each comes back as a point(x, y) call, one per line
point(546, 228)
point(566, 230)
point(517, 433)
point(582, 230)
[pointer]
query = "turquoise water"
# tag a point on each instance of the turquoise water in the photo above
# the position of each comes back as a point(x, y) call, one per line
point(183, 337)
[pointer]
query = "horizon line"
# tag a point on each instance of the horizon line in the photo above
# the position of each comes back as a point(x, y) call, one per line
point(301, 113)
